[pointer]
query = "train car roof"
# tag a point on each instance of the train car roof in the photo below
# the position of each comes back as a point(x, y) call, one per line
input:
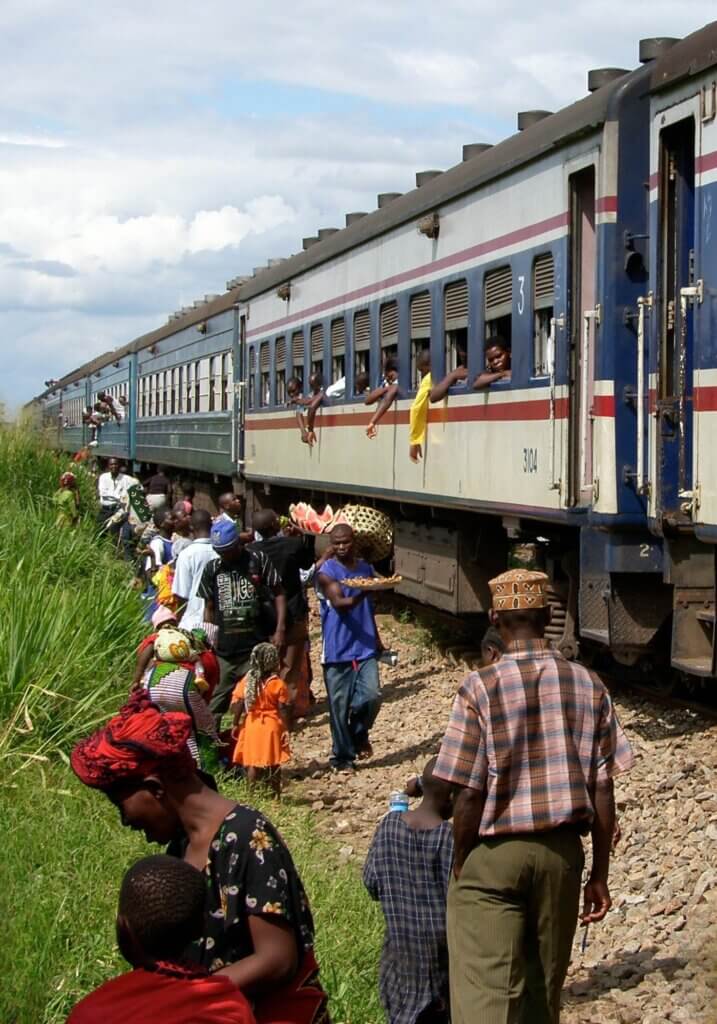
point(553, 131)
point(691, 56)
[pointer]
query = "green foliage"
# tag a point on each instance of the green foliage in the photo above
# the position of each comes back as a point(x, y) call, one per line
point(68, 619)
point(68, 626)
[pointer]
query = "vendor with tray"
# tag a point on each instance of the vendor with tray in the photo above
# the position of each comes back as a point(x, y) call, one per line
point(350, 650)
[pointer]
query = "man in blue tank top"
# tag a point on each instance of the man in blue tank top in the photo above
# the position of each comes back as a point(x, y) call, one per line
point(350, 650)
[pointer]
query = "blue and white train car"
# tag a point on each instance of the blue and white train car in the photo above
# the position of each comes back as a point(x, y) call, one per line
point(585, 240)
point(677, 392)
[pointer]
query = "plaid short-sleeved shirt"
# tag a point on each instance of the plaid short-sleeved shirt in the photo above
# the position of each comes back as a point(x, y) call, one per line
point(534, 732)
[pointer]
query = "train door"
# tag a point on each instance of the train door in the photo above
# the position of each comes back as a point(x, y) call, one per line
point(676, 285)
point(584, 318)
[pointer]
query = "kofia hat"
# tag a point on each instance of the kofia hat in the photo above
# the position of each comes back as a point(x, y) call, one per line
point(518, 589)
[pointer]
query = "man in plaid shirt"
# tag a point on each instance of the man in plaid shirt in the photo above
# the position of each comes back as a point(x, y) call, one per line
point(532, 746)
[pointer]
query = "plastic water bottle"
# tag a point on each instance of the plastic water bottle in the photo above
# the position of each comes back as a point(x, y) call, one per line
point(389, 658)
point(398, 800)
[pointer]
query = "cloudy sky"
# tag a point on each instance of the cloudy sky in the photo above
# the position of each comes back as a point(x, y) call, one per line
point(149, 151)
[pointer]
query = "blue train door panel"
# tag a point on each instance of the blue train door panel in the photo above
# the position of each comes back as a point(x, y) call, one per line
point(584, 318)
point(676, 285)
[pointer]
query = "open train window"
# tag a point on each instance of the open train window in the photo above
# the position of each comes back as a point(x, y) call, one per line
point(338, 350)
point(212, 383)
point(180, 389)
point(280, 363)
point(173, 393)
point(388, 324)
point(543, 306)
point(197, 386)
point(317, 349)
point(190, 387)
point(165, 392)
point(143, 396)
point(362, 346)
point(498, 303)
point(252, 376)
point(297, 356)
point(455, 324)
point(226, 379)
point(264, 374)
point(157, 394)
point(420, 316)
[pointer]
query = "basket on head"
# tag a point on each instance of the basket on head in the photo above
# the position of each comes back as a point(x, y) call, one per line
point(373, 530)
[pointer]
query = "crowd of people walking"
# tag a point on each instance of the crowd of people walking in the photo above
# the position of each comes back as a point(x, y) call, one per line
point(479, 883)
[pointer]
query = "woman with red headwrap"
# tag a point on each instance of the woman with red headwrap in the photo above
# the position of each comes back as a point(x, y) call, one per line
point(258, 925)
point(67, 501)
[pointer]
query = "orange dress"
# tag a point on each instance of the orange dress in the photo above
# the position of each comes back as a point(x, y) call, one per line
point(263, 740)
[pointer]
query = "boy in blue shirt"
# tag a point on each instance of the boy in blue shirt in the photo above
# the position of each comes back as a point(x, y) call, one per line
point(350, 650)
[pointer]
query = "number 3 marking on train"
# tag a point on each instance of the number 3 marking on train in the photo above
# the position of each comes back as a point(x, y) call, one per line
point(521, 294)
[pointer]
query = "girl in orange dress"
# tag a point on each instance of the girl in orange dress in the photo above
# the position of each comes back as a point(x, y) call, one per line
point(262, 714)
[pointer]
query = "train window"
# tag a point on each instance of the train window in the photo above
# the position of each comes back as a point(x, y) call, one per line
point(190, 387)
point(252, 376)
point(141, 398)
point(180, 389)
point(388, 327)
point(338, 349)
point(420, 331)
point(498, 303)
point(455, 324)
point(543, 305)
point(197, 386)
point(280, 363)
point(297, 355)
point(317, 349)
point(226, 374)
point(362, 345)
point(264, 374)
point(165, 392)
point(212, 404)
point(157, 395)
point(173, 394)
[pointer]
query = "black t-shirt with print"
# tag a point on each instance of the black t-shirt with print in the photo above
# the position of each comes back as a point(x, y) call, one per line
point(288, 555)
point(237, 591)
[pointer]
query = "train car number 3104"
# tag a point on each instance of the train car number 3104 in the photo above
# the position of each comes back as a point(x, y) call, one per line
point(530, 460)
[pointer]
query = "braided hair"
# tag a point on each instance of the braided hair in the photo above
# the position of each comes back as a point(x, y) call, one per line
point(264, 660)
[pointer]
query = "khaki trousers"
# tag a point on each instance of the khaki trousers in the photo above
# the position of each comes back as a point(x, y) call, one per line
point(512, 916)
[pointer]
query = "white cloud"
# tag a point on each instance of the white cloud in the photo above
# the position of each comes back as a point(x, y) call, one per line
point(150, 154)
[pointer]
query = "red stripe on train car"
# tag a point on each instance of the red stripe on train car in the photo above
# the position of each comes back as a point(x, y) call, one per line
point(560, 220)
point(706, 162)
point(606, 204)
point(524, 411)
point(704, 399)
point(603, 405)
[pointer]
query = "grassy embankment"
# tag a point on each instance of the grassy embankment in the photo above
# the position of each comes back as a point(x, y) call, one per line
point(68, 624)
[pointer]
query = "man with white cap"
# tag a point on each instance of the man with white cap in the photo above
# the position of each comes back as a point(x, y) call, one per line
point(532, 747)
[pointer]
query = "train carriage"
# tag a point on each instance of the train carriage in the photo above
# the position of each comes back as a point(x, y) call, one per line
point(585, 241)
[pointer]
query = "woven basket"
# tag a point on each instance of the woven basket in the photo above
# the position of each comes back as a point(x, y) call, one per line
point(373, 531)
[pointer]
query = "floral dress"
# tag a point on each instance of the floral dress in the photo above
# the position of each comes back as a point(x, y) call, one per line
point(250, 871)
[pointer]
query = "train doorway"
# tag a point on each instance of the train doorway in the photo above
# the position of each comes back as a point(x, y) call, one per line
point(584, 320)
point(674, 497)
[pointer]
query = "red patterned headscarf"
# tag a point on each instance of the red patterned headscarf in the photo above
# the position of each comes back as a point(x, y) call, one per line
point(139, 741)
point(68, 480)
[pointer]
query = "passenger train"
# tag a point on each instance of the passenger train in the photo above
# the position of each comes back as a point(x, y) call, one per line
point(586, 241)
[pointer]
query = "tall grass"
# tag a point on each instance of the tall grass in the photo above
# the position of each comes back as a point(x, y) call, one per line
point(68, 620)
point(68, 626)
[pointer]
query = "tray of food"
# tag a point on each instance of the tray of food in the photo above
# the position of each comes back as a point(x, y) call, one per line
point(372, 582)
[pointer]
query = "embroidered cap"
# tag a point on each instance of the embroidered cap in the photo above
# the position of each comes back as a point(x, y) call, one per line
point(517, 589)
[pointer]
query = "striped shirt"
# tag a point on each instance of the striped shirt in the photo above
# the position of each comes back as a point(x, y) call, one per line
point(533, 732)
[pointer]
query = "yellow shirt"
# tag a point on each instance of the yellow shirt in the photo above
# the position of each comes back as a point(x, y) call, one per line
point(419, 412)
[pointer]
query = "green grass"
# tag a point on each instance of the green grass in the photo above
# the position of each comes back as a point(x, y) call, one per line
point(68, 627)
point(64, 854)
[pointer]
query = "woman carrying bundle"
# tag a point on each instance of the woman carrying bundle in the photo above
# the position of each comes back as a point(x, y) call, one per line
point(262, 713)
point(258, 929)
